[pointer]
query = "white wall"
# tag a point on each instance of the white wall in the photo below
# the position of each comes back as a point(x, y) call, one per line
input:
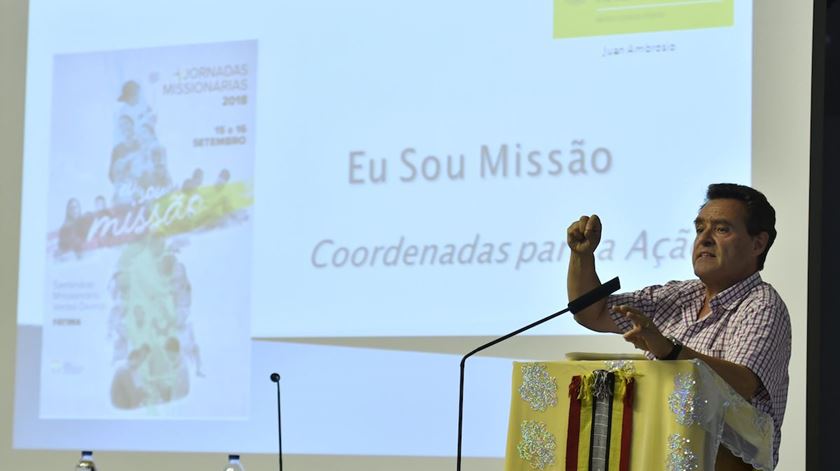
point(781, 143)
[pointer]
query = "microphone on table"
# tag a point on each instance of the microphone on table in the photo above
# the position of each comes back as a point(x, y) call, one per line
point(576, 305)
point(275, 378)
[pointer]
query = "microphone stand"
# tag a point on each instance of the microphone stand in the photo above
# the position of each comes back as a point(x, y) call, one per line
point(276, 379)
point(575, 306)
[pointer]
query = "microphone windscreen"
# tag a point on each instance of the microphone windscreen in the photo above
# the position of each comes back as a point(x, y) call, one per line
point(593, 296)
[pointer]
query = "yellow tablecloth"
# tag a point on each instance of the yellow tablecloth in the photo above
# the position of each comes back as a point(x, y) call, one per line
point(682, 411)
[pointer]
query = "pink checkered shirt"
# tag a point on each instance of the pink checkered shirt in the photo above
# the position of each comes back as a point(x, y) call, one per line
point(749, 325)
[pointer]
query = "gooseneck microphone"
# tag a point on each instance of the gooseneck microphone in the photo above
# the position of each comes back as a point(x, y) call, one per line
point(582, 302)
point(275, 378)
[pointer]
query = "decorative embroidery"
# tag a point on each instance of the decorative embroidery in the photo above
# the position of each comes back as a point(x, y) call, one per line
point(681, 457)
point(537, 445)
point(763, 423)
point(538, 389)
point(685, 402)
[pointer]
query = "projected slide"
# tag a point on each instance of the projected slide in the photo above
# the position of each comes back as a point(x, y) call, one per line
point(430, 178)
point(345, 193)
point(151, 169)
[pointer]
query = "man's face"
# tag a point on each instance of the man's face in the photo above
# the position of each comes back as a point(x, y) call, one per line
point(724, 253)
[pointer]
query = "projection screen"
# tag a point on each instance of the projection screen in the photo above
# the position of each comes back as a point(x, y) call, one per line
point(353, 195)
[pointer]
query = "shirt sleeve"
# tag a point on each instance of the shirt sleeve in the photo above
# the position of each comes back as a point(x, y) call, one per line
point(658, 303)
point(644, 300)
point(760, 339)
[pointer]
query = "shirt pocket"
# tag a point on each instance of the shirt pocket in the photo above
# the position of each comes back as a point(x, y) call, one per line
point(717, 347)
point(714, 340)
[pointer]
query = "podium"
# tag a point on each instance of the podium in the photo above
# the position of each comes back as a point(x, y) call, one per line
point(630, 415)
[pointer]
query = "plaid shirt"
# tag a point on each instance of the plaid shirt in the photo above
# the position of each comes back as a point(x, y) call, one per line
point(748, 325)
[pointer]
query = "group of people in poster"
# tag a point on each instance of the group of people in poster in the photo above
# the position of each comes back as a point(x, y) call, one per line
point(154, 346)
point(154, 350)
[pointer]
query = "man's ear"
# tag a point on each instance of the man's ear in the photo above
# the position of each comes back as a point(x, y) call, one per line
point(760, 242)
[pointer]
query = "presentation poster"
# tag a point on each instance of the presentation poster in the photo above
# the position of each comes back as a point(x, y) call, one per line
point(150, 211)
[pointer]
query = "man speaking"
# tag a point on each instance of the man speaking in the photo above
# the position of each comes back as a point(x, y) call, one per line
point(728, 317)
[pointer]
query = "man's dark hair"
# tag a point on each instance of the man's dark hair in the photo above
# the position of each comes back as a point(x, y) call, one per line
point(761, 217)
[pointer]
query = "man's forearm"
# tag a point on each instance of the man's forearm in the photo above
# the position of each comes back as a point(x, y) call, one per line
point(581, 279)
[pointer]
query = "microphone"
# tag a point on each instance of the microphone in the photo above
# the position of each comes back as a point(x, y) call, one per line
point(275, 378)
point(591, 297)
point(576, 305)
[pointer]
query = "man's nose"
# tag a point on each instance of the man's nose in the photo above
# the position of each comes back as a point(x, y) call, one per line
point(705, 238)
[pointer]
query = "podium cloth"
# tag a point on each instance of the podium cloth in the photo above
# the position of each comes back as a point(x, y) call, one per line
point(639, 415)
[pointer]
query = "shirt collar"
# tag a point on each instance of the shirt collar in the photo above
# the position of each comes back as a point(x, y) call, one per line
point(731, 296)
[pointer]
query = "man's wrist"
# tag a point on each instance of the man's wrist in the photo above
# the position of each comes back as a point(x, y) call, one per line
point(675, 350)
point(582, 259)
